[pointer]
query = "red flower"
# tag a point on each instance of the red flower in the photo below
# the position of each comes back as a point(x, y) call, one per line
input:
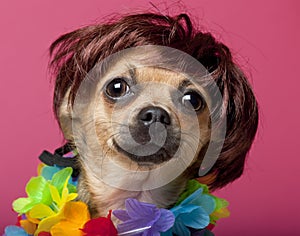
point(210, 226)
point(18, 222)
point(44, 234)
point(102, 226)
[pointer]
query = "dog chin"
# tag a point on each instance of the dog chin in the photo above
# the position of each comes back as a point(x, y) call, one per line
point(160, 156)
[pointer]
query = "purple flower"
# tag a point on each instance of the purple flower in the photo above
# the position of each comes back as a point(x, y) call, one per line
point(140, 215)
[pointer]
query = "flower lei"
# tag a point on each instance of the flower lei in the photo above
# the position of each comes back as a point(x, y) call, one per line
point(51, 208)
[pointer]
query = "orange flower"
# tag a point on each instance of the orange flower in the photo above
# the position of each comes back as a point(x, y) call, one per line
point(29, 224)
point(75, 215)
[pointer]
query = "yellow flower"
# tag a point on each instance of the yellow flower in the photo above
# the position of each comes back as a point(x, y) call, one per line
point(68, 221)
point(221, 213)
point(50, 215)
point(47, 223)
point(221, 210)
point(39, 168)
point(76, 214)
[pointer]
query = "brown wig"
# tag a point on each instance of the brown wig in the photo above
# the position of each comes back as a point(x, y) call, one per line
point(74, 54)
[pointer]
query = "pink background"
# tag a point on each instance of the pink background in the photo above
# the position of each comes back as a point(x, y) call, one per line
point(264, 38)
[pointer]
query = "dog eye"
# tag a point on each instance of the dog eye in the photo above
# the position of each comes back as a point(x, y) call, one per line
point(117, 88)
point(194, 100)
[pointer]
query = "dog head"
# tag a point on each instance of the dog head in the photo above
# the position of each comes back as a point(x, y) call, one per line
point(141, 114)
point(151, 112)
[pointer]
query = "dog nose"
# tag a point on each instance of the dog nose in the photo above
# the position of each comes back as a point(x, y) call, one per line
point(150, 115)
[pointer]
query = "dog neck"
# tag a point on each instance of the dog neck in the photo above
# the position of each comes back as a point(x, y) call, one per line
point(101, 197)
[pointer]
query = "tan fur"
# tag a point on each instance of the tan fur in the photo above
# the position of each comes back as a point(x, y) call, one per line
point(101, 197)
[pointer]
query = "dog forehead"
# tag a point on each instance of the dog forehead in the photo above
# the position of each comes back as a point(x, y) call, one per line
point(158, 75)
point(143, 72)
point(149, 64)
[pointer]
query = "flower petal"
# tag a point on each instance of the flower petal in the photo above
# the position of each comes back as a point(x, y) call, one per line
point(32, 220)
point(100, 226)
point(44, 234)
point(203, 232)
point(192, 186)
point(72, 196)
point(194, 195)
point(206, 202)
point(180, 229)
point(165, 221)
point(183, 209)
point(137, 215)
point(197, 219)
point(121, 215)
point(221, 213)
point(150, 232)
point(64, 195)
point(41, 211)
point(55, 194)
point(46, 224)
point(76, 212)
point(61, 178)
point(22, 205)
point(66, 228)
point(48, 171)
point(167, 233)
point(136, 209)
point(132, 225)
point(28, 226)
point(13, 230)
point(220, 202)
point(38, 189)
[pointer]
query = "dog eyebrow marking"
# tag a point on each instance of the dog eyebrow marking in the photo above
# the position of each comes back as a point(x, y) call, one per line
point(183, 84)
point(132, 71)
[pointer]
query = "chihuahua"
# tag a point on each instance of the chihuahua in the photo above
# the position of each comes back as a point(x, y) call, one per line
point(143, 99)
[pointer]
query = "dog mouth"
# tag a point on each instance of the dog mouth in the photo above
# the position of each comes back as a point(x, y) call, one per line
point(139, 155)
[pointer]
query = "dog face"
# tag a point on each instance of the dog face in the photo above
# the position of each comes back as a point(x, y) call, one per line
point(145, 113)
point(139, 117)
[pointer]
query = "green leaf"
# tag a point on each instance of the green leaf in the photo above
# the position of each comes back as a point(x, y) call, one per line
point(205, 188)
point(61, 178)
point(22, 205)
point(72, 188)
point(220, 203)
point(191, 187)
point(38, 190)
point(35, 188)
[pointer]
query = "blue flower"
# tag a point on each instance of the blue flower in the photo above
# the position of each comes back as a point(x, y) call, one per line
point(48, 172)
point(140, 215)
point(13, 230)
point(202, 232)
point(192, 212)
